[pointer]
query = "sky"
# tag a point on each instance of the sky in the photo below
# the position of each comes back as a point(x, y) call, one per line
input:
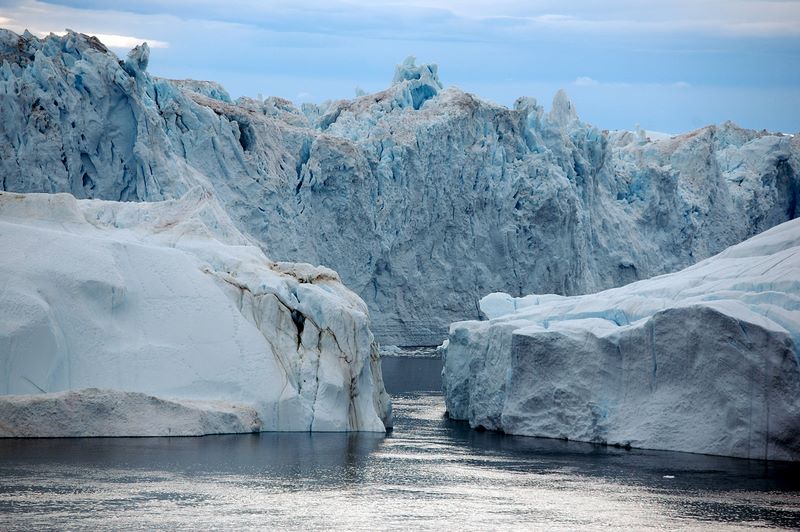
point(668, 66)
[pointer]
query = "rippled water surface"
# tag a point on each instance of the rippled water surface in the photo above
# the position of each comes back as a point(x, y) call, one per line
point(428, 473)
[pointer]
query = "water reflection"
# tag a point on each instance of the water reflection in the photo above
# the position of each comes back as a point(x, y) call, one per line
point(418, 373)
point(429, 473)
point(289, 455)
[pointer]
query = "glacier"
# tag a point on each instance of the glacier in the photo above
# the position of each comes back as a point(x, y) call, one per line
point(704, 360)
point(422, 197)
point(162, 318)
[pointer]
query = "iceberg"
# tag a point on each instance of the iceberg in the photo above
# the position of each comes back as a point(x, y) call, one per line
point(704, 360)
point(423, 197)
point(162, 318)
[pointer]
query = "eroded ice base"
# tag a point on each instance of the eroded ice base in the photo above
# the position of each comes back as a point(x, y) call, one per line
point(91, 412)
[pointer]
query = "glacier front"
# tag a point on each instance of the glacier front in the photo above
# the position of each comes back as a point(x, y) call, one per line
point(156, 319)
point(423, 197)
point(704, 360)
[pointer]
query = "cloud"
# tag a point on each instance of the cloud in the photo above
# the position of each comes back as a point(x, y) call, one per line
point(126, 41)
point(118, 41)
point(681, 85)
point(585, 81)
point(476, 19)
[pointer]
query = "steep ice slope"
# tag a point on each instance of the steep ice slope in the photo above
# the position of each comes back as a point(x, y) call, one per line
point(703, 360)
point(170, 300)
point(423, 198)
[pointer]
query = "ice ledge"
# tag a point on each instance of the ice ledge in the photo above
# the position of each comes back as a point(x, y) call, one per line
point(92, 412)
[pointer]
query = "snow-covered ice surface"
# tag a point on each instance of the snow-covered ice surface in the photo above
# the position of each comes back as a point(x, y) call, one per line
point(183, 325)
point(704, 360)
point(424, 198)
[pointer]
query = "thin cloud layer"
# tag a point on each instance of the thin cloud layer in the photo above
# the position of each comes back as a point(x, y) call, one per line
point(744, 18)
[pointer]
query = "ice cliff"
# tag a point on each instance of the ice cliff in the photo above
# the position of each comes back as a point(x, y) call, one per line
point(161, 318)
point(423, 198)
point(704, 360)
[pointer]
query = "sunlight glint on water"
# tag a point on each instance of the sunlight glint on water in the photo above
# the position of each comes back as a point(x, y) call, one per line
point(427, 474)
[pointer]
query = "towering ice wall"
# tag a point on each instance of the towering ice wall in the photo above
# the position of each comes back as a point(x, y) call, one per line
point(423, 198)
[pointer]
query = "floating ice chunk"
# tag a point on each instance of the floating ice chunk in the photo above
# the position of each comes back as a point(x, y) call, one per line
point(703, 360)
point(170, 300)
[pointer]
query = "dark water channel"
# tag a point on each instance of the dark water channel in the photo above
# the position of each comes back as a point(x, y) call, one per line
point(429, 473)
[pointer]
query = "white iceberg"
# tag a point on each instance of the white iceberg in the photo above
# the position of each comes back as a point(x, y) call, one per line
point(704, 360)
point(169, 300)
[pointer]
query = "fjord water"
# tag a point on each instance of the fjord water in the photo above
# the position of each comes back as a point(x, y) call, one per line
point(428, 473)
